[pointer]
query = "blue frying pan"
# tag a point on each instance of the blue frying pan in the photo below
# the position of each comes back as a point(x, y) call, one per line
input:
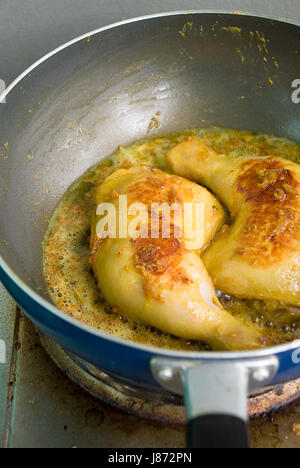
point(186, 66)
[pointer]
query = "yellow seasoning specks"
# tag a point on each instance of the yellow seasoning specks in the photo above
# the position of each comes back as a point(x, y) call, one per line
point(186, 28)
point(271, 81)
point(154, 123)
point(242, 57)
point(276, 64)
point(263, 42)
point(232, 29)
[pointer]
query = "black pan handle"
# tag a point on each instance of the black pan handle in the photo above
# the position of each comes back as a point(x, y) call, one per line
point(216, 400)
point(217, 431)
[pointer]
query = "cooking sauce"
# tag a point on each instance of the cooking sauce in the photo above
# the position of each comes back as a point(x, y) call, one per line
point(68, 275)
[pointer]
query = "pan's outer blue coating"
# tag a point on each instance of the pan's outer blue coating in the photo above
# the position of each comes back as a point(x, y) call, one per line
point(128, 363)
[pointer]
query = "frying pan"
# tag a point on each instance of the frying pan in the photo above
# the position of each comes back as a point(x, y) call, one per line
point(197, 69)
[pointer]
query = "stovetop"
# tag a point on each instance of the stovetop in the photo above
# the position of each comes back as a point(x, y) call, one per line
point(41, 408)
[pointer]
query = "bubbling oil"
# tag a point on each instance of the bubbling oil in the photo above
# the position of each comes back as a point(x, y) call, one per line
point(70, 281)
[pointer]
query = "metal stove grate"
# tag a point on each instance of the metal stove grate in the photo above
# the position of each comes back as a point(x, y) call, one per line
point(162, 407)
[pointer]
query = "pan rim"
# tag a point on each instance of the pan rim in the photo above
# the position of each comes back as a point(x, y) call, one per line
point(28, 291)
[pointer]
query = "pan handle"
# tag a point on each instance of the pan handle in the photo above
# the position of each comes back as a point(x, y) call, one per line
point(215, 393)
point(217, 431)
point(216, 400)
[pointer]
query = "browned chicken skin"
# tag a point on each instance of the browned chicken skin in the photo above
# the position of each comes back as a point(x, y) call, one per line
point(161, 281)
point(258, 255)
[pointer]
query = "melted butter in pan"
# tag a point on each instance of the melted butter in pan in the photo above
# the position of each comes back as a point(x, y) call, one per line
point(68, 275)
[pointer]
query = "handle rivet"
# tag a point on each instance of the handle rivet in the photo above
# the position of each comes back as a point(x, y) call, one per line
point(262, 374)
point(165, 374)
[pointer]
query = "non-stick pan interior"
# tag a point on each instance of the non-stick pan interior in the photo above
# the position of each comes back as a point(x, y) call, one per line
point(80, 104)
